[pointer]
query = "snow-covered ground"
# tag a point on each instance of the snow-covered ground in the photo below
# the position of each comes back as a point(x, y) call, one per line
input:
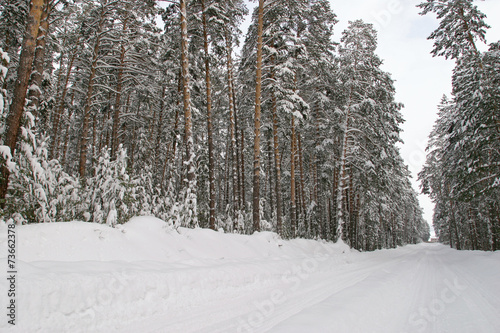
point(145, 277)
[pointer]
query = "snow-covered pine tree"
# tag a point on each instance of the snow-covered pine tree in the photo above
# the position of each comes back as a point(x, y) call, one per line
point(39, 190)
point(110, 189)
point(462, 168)
point(372, 176)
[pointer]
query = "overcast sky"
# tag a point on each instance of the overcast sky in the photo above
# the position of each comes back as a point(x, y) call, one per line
point(421, 80)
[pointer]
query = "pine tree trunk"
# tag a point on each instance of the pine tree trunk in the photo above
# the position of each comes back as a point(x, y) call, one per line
point(293, 206)
point(88, 99)
point(152, 127)
point(454, 222)
point(52, 147)
point(188, 125)
point(211, 162)
point(38, 62)
point(237, 154)
point(256, 149)
point(134, 129)
point(60, 107)
point(269, 176)
point(13, 121)
point(297, 182)
point(227, 176)
point(95, 151)
point(232, 125)
point(301, 170)
point(172, 147)
point(65, 144)
point(242, 161)
point(105, 138)
point(277, 159)
point(160, 123)
point(119, 83)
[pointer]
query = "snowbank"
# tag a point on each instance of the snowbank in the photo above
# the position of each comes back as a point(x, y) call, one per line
point(151, 239)
point(86, 277)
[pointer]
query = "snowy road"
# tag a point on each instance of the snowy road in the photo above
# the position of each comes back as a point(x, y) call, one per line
point(144, 277)
point(423, 288)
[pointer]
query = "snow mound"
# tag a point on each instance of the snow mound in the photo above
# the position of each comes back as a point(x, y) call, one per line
point(151, 239)
point(87, 277)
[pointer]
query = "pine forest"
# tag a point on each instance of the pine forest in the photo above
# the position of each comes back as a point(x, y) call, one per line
point(114, 109)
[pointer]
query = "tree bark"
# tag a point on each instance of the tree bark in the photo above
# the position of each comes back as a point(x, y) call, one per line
point(172, 147)
point(188, 125)
point(13, 121)
point(293, 207)
point(301, 170)
point(160, 122)
point(38, 62)
point(277, 160)
point(119, 83)
point(232, 130)
point(59, 110)
point(242, 161)
point(134, 129)
point(88, 99)
point(256, 149)
point(211, 162)
point(269, 175)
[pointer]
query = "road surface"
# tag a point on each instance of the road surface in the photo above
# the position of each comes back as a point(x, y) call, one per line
point(421, 288)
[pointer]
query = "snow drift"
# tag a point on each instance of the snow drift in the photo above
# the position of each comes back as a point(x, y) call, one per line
point(78, 276)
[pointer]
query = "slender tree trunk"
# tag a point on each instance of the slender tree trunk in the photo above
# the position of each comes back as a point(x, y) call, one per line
point(293, 206)
point(115, 142)
point(13, 121)
point(95, 151)
point(60, 107)
point(152, 127)
point(256, 149)
point(301, 170)
point(237, 153)
point(211, 162)
point(242, 161)
point(105, 127)
point(277, 159)
point(134, 129)
point(232, 130)
point(65, 144)
point(172, 147)
point(352, 219)
point(88, 99)
point(227, 176)
point(319, 206)
point(188, 125)
point(38, 62)
point(455, 226)
point(160, 121)
point(52, 149)
point(297, 183)
point(269, 176)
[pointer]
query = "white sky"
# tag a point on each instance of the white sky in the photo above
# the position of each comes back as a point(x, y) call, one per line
point(421, 80)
